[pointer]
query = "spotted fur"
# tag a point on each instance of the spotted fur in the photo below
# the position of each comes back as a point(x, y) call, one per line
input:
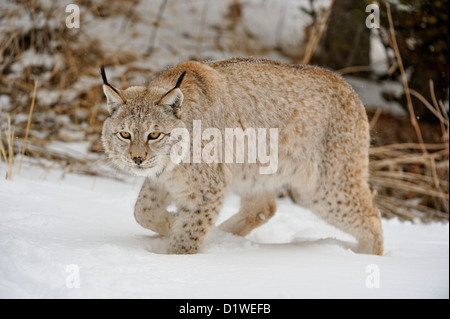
point(322, 150)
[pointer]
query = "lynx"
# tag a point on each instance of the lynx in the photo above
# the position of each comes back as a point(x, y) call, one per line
point(322, 148)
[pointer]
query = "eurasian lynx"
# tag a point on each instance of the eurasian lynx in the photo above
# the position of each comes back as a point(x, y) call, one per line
point(322, 146)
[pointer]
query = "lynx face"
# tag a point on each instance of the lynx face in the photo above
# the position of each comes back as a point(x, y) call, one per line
point(136, 136)
point(139, 141)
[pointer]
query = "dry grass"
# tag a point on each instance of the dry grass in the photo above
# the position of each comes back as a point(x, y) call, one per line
point(412, 178)
point(410, 183)
point(8, 152)
point(27, 130)
point(73, 55)
point(316, 34)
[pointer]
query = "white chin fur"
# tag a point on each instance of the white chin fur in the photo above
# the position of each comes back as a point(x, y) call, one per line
point(144, 171)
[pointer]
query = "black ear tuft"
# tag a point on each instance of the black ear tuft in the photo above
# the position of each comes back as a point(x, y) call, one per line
point(180, 79)
point(177, 86)
point(174, 98)
point(102, 72)
point(105, 80)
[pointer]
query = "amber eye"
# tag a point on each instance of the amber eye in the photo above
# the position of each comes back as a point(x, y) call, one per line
point(125, 135)
point(153, 135)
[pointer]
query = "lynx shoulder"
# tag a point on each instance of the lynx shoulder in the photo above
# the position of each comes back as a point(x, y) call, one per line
point(249, 126)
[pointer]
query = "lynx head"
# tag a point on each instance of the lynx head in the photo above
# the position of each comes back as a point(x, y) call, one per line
point(136, 135)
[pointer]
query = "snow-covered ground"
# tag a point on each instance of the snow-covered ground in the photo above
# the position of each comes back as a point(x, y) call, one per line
point(75, 237)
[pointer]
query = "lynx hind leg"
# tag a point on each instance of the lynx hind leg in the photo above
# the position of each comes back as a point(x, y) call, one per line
point(351, 210)
point(150, 209)
point(254, 211)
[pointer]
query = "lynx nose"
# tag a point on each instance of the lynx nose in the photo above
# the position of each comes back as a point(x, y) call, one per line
point(138, 160)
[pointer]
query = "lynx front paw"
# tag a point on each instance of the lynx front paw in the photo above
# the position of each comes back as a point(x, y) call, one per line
point(154, 220)
point(182, 247)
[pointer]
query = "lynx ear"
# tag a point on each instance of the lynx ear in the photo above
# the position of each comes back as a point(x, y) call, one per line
point(174, 98)
point(113, 96)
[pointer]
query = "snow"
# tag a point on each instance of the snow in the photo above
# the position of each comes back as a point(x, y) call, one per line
point(5, 103)
point(371, 94)
point(379, 61)
point(75, 237)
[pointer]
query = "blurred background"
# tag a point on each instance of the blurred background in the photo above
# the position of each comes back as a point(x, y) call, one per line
point(52, 106)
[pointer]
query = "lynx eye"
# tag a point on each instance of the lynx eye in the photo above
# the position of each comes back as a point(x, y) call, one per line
point(154, 135)
point(125, 135)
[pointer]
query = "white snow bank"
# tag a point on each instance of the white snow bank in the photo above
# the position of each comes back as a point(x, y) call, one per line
point(371, 94)
point(60, 234)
